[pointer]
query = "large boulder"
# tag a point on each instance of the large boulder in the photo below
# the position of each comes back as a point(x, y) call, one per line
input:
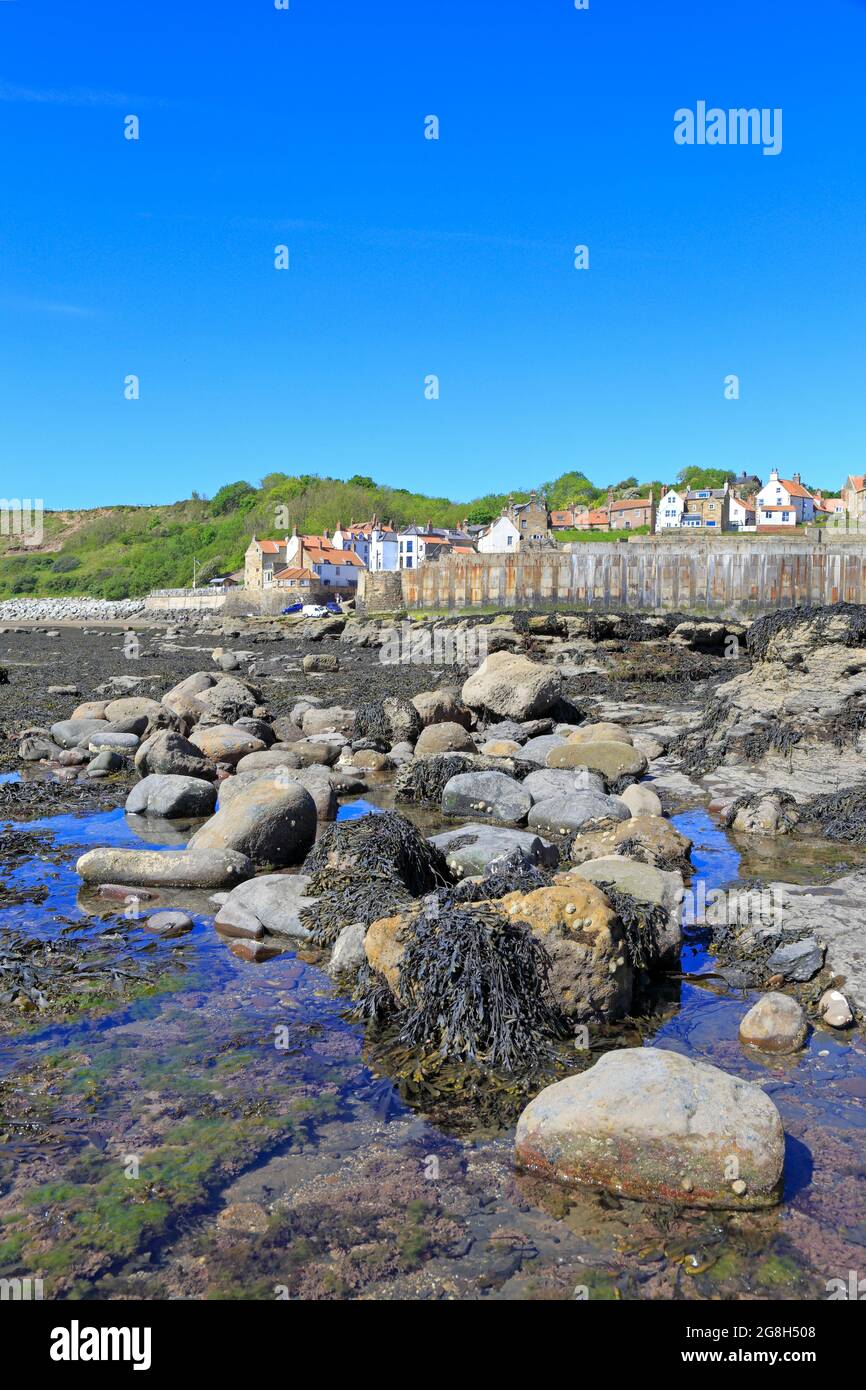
point(443, 737)
point(137, 707)
point(171, 797)
point(650, 839)
point(486, 795)
point(228, 700)
point(470, 848)
point(150, 868)
point(184, 699)
point(109, 740)
point(171, 754)
point(271, 821)
point(442, 707)
point(318, 781)
point(512, 686)
point(651, 1124)
point(270, 903)
point(577, 812)
point(613, 760)
point(224, 744)
point(592, 975)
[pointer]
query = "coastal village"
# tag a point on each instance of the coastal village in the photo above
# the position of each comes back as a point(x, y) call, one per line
point(308, 566)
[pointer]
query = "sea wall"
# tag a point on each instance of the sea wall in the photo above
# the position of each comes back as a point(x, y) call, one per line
point(730, 576)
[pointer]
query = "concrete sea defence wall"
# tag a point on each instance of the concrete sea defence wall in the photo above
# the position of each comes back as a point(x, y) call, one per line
point(729, 576)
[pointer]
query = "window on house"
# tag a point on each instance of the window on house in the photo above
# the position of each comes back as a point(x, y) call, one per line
point(509, 540)
point(408, 562)
point(785, 515)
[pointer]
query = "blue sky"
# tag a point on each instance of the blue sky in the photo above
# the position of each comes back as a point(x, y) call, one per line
point(412, 257)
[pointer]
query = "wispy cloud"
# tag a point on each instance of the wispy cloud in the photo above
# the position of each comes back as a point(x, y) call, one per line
point(21, 304)
point(71, 96)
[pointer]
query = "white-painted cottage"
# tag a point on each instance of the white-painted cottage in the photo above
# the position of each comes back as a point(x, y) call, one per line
point(501, 537)
point(669, 513)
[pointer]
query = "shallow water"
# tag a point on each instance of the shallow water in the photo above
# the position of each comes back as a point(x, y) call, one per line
point(228, 1134)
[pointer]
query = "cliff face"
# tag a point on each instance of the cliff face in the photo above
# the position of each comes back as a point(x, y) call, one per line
point(796, 719)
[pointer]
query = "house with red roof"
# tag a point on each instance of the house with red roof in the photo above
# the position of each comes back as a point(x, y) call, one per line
point(854, 496)
point(784, 502)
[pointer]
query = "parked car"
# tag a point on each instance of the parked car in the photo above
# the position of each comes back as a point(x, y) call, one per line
point(293, 608)
point(314, 610)
point(333, 607)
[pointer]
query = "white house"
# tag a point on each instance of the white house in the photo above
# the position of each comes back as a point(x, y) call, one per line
point(419, 543)
point(500, 537)
point(742, 513)
point(374, 542)
point(670, 510)
point(784, 502)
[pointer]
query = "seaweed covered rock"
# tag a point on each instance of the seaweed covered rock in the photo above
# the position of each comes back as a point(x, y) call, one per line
point(468, 982)
point(839, 815)
point(796, 719)
point(387, 721)
point(385, 843)
point(649, 839)
point(766, 813)
point(655, 888)
point(591, 973)
point(651, 1124)
point(512, 686)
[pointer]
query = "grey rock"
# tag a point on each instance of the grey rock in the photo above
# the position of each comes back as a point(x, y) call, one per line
point(269, 903)
point(161, 794)
point(204, 868)
point(470, 848)
point(651, 1124)
point(800, 961)
point(486, 795)
point(270, 821)
point(348, 956)
point(578, 812)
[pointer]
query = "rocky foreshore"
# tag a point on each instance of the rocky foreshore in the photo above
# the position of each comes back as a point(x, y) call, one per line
point(515, 882)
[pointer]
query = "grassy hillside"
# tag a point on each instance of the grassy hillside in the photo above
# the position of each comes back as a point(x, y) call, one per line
point(123, 552)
